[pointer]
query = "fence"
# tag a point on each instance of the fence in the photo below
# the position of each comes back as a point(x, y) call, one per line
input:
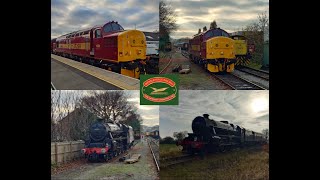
point(62, 152)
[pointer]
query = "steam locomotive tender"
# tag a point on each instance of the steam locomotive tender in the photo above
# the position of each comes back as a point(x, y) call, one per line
point(107, 140)
point(210, 136)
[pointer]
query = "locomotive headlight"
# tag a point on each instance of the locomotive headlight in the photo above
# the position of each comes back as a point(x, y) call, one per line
point(217, 45)
point(221, 52)
point(227, 45)
point(103, 150)
point(83, 151)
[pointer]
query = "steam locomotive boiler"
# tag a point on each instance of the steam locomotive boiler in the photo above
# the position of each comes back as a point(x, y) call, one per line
point(210, 135)
point(107, 140)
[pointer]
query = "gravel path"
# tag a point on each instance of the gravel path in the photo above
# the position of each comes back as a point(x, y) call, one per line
point(144, 169)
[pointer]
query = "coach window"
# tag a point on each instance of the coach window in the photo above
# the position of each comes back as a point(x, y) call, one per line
point(98, 33)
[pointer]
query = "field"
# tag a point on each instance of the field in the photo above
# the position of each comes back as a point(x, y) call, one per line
point(169, 150)
point(244, 164)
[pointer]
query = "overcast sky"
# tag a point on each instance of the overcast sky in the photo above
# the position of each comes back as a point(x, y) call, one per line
point(249, 109)
point(149, 114)
point(73, 15)
point(230, 15)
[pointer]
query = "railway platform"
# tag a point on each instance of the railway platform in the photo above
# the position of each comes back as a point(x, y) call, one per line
point(67, 74)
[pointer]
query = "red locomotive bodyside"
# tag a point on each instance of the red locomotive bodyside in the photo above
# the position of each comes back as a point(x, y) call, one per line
point(93, 42)
point(195, 45)
point(108, 46)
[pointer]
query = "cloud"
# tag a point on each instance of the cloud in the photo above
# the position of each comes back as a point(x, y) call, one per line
point(230, 15)
point(73, 15)
point(233, 106)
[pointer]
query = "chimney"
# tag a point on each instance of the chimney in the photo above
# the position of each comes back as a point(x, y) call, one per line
point(206, 116)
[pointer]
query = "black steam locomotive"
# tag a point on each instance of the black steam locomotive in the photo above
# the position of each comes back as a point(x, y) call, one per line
point(107, 140)
point(210, 135)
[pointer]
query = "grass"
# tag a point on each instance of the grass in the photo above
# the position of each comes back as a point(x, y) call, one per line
point(236, 165)
point(169, 150)
point(254, 65)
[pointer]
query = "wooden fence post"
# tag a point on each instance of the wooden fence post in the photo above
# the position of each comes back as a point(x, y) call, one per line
point(56, 152)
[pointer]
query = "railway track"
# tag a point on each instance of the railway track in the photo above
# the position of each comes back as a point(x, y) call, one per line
point(255, 72)
point(185, 54)
point(154, 148)
point(176, 160)
point(169, 63)
point(236, 82)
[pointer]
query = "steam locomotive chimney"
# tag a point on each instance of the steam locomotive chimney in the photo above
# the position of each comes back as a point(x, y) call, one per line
point(206, 116)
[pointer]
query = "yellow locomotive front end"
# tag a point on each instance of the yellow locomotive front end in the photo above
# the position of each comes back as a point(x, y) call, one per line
point(241, 50)
point(220, 54)
point(132, 48)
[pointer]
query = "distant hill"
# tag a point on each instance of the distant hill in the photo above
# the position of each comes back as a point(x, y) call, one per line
point(149, 129)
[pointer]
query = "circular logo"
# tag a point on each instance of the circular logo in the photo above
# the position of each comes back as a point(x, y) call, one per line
point(159, 89)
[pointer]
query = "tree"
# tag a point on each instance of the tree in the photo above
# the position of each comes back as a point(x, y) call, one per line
point(204, 29)
point(134, 120)
point(199, 31)
point(254, 33)
point(167, 140)
point(72, 112)
point(213, 24)
point(167, 22)
point(179, 135)
point(167, 18)
point(62, 104)
point(109, 105)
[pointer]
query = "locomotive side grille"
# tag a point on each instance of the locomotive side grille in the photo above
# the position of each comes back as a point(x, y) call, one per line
point(111, 42)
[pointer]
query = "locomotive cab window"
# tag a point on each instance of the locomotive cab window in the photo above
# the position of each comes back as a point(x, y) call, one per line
point(116, 27)
point(112, 27)
point(107, 28)
point(98, 33)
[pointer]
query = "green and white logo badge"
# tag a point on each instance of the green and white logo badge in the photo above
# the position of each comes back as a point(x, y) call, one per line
point(159, 89)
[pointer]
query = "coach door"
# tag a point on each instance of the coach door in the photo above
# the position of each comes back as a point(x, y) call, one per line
point(97, 42)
